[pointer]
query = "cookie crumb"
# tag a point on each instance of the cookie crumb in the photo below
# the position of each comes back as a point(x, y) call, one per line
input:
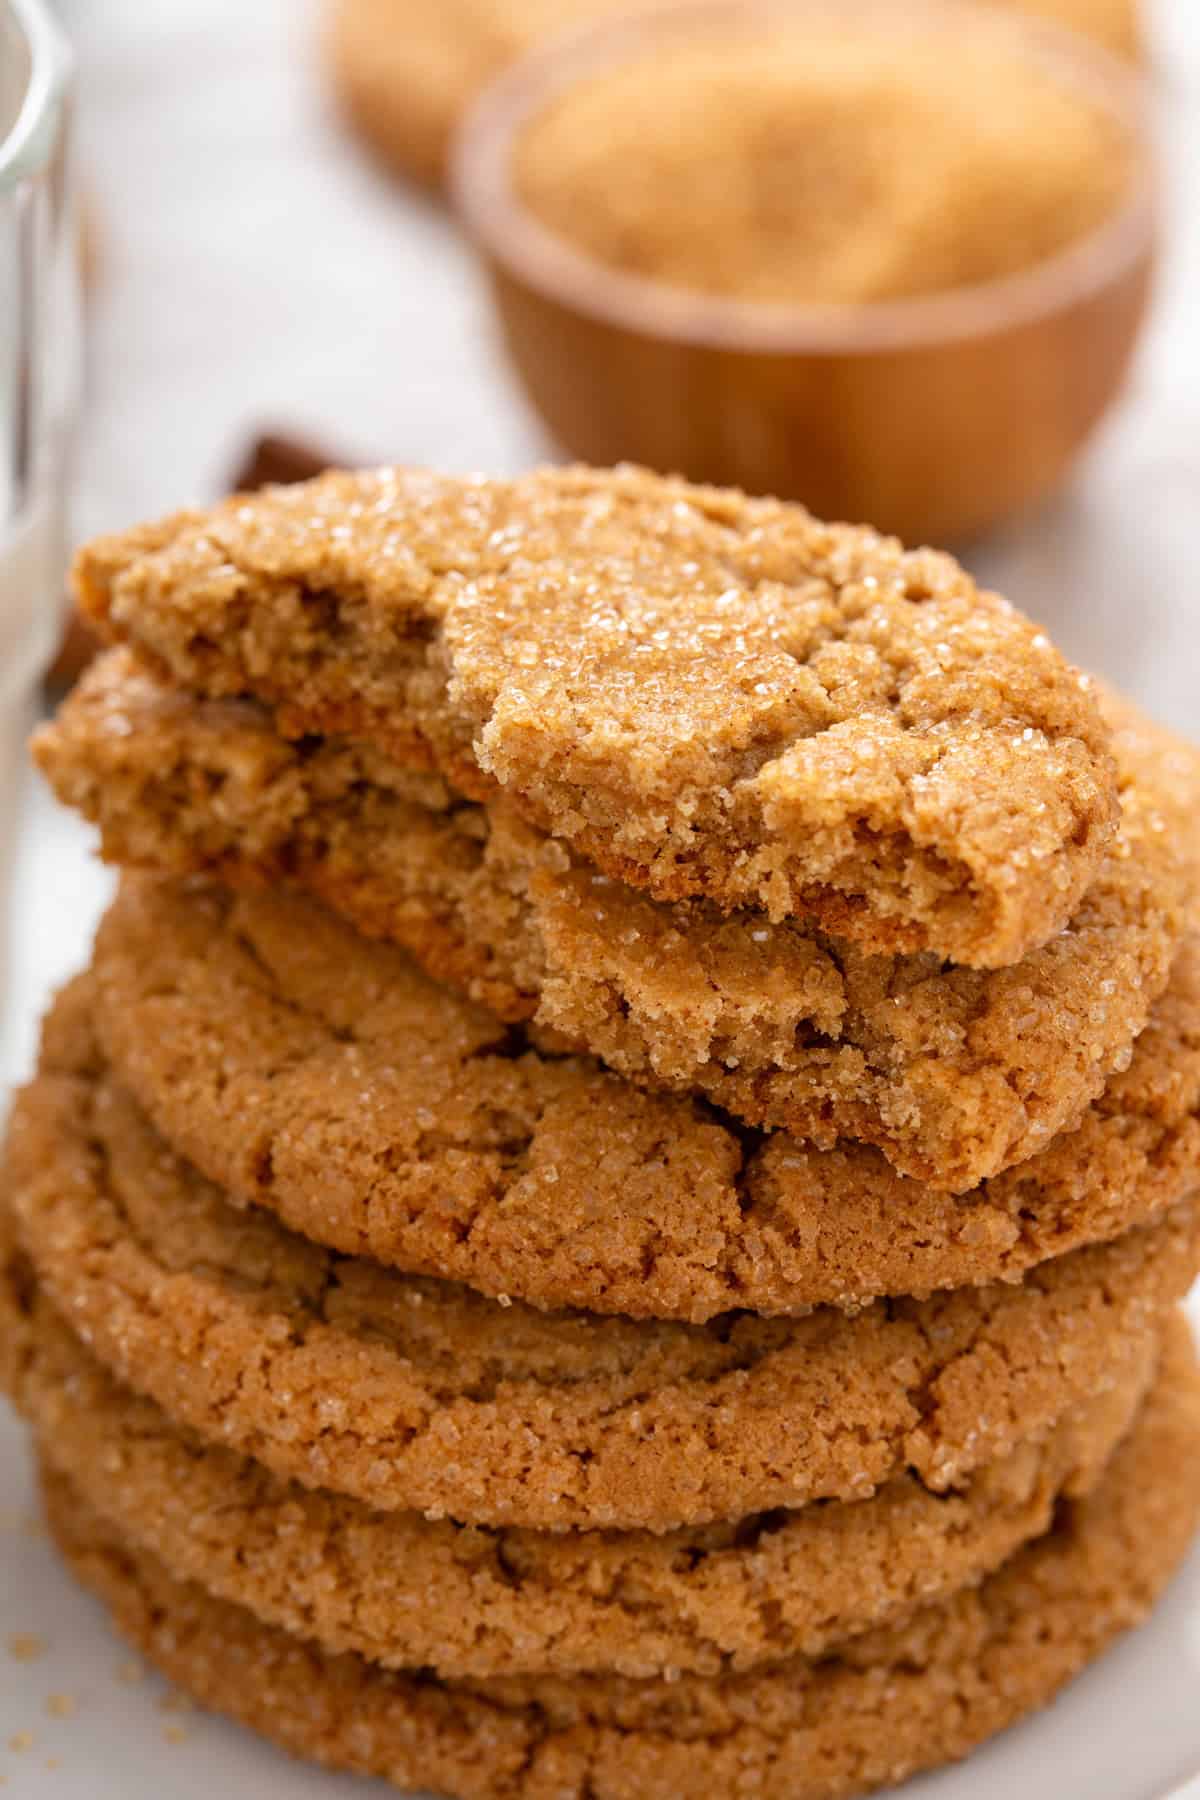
point(61, 1706)
point(20, 1741)
point(26, 1646)
point(174, 1734)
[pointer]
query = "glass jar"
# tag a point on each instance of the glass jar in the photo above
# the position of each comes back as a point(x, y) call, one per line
point(39, 363)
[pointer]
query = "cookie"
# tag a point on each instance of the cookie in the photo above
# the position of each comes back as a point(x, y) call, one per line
point(270, 457)
point(892, 1702)
point(310, 1072)
point(409, 1592)
point(406, 74)
point(418, 1395)
point(699, 692)
point(953, 1073)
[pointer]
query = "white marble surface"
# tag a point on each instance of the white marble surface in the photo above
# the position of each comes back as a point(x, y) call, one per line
point(257, 271)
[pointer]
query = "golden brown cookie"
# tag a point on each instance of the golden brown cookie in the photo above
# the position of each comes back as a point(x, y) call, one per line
point(406, 74)
point(268, 458)
point(701, 693)
point(409, 1592)
point(308, 1071)
point(954, 1073)
point(414, 1394)
point(893, 1701)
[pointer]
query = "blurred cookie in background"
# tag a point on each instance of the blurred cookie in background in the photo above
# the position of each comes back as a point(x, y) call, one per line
point(406, 71)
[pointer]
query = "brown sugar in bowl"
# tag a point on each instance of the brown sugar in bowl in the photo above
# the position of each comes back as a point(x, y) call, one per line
point(934, 415)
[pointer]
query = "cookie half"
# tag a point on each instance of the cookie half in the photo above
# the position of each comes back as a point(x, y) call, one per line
point(698, 692)
point(419, 1395)
point(405, 1591)
point(954, 1074)
point(323, 1077)
point(892, 1702)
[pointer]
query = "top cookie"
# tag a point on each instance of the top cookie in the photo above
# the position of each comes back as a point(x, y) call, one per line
point(702, 693)
point(954, 1073)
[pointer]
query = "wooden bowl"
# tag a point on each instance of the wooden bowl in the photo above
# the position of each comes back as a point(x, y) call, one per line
point(935, 417)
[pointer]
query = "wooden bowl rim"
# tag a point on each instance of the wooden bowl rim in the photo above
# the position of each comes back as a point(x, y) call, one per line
point(511, 236)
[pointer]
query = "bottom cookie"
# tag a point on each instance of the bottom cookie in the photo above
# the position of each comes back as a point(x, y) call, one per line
point(890, 1703)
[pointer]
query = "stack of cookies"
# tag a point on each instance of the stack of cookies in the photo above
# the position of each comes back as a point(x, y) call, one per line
point(607, 1218)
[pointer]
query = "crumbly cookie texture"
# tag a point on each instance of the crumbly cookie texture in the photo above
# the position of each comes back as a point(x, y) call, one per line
point(182, 786)
point(308, 1071)
point(700, 692)
point(418, 1395)
point(326, 1079)
point(953, 1073)
point(406, 73)
point(409, 1592)
point(894, 1701)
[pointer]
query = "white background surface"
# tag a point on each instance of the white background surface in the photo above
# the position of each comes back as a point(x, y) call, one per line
point(256, 271)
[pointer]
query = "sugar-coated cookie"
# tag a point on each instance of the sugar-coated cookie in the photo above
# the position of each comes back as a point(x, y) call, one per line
point(415, 1394)
point(699, 692)
point(894, 1701)
point(412, 1592)
point(953, 1073)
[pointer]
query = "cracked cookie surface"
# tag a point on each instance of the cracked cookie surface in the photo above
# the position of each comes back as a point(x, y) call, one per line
point(321, 1076)
point(409, 1592)
point(701, 693)
point(416, 1394)
point(892, 1702)
point(953, 1073)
